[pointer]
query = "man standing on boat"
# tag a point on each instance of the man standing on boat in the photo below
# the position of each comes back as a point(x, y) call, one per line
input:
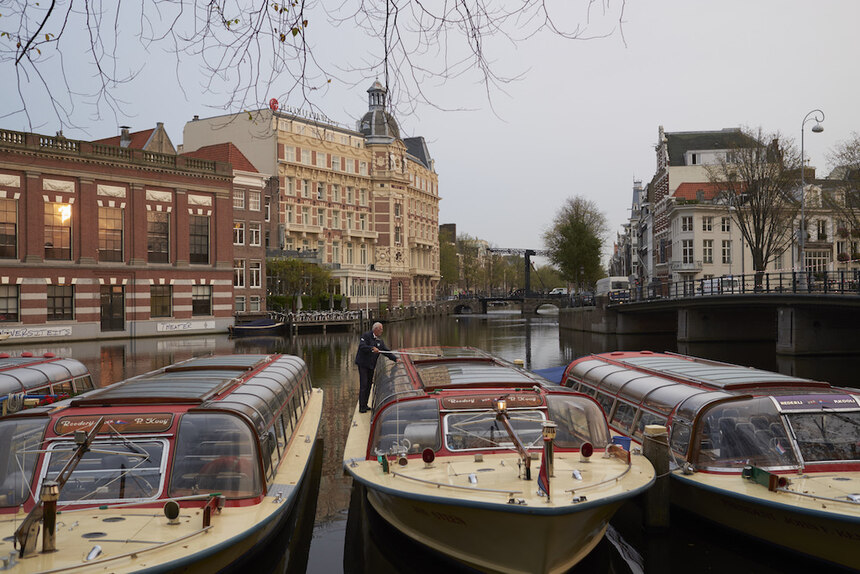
point(369, 347)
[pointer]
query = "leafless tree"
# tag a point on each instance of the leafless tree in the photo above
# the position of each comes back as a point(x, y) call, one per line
point(253, 49)
point(842, 195)
point(759, 182)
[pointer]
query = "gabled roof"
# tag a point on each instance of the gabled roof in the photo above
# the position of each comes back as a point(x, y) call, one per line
point(681, 142)
point(690, 190)
point(226, 152)
point(138, 139)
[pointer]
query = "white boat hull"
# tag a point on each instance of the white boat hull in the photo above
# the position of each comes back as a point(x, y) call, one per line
point(825, 529)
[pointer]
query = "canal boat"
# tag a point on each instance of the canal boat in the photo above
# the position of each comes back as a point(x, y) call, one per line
point(773, 456)
point(195, 467)
point(487, 463)
point(259, 327)
point(28, 380)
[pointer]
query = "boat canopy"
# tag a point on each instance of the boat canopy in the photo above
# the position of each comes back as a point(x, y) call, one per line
point(26, 374)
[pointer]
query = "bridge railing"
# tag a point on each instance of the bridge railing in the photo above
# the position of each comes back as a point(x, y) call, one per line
point(841, 282)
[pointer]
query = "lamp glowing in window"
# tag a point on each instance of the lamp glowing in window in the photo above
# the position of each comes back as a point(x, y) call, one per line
point(65, 211)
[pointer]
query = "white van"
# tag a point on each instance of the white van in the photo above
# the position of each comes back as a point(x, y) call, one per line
point(616, 287)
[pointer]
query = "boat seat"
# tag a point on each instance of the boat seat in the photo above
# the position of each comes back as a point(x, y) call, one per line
point(764, 438)
point(728, 440)
point(747, 442)
point(777, 430)
point(759, 422)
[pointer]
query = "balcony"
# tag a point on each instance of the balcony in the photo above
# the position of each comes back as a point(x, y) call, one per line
point(303, 229)
point(367, 234)
point(691, 267)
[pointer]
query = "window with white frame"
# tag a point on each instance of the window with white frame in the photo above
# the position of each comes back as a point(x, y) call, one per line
point(348, 249)
point(238, 199)
point(349, 196)
point(255, 274)
point(290, 215)
point(321, 217)
point(363, 254)
point(289, 153)
point(335, 191)
point(687, 250)
point(335, 252)
point(349, 220)
point(240, 304)
point(290, 188)
point(335, 163)
point(727, 251)
point(362, 222)
point(362, 168)
point(320, 191)
point(306, 156)
point(306, 216)
point(725, 224)
point(255, 303)
point(321, 159)
point(238, 233)
point(687, 223)
point(306, 188)
point(362, 197)
point(238, 273)
point(708, 251)
point(707, 223)
point(335, 219)
point(254, 234)
point(268, 209)
point(254, 200)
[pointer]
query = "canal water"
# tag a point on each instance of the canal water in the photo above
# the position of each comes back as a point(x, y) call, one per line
point(349, 537)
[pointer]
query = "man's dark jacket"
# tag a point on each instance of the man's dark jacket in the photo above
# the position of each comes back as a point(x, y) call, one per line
point(367, 358)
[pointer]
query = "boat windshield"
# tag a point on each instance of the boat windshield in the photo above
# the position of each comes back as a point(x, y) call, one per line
point(215, 452)
point(579, 420)
point(407, 427)
point(736, 433)
point(827, 436)
point(115, 470)
point(19, 450)
point(470, 430)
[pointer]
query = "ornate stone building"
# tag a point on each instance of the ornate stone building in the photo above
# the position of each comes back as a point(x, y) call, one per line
point(362, 202)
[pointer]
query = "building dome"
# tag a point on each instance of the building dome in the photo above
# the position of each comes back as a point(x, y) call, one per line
point(377, 124)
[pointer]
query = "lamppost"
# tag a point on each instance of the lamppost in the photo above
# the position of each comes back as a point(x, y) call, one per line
point(818, 116)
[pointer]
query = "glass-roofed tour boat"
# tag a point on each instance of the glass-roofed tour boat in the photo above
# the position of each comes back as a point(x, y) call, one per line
point(774, 456)
point(28, 380)
point(194, 467)
point(488, 463)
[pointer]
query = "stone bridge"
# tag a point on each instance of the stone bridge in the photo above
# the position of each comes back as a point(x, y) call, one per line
point(528, 304)
point(799, 324)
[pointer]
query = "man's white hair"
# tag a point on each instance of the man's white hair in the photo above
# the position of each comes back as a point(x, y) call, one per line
point(375, 325)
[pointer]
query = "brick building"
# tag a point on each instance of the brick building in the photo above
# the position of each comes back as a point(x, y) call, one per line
point(111, 239)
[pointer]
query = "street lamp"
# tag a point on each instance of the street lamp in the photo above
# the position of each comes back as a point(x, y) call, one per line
point(818, 116)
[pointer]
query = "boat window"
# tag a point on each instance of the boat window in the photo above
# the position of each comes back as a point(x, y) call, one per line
point(63, 389)
point(407, 427)
point(664, 399)
point(391, 381)
point(83, 384)
point(578, 420)
point(680, 439)
point(613, 382)
point(605, 402)
point(622, 418)
point(110, 471)
point(748, 431)
point(580, 369)
point(647, 418)
point(472, 430)
point(279, 432)
point(830, 436)
point(19, 444)
point(269, 446)
point(590, 391)
point(215, 453)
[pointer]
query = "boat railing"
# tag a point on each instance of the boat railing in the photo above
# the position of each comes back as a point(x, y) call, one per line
point(447, 485)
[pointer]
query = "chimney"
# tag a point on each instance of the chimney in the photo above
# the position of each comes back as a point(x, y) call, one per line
point(124, 137)
point(196, 117)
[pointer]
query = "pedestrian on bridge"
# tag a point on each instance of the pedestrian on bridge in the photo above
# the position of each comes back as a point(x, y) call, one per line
point(370, 346)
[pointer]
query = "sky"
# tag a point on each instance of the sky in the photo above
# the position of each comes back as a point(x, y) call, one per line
point(583, 118)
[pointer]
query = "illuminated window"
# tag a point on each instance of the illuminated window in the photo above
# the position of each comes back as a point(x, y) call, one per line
point(110, 233)
point(58, 231)
point(238, 233)
point(8, 228)
point(158, 236)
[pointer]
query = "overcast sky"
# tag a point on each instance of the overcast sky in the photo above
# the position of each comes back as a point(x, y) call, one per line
point(584, 118)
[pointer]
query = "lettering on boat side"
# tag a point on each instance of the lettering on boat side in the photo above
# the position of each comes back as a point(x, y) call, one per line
point(150, 422)
point(444, 517)
point(488, 401)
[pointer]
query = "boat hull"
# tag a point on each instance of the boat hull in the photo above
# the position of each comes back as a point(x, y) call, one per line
point(495, 539)
point(256, 330)
point(825, 530)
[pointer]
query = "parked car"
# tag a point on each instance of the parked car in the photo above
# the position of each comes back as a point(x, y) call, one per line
point(558, 291)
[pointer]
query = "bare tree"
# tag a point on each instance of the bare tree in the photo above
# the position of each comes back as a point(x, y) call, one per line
point(253, 49)
point(842, 195)
point(575, 240)
point(759, 182)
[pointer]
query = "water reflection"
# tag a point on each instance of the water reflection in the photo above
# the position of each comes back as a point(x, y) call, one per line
point(690, 543)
